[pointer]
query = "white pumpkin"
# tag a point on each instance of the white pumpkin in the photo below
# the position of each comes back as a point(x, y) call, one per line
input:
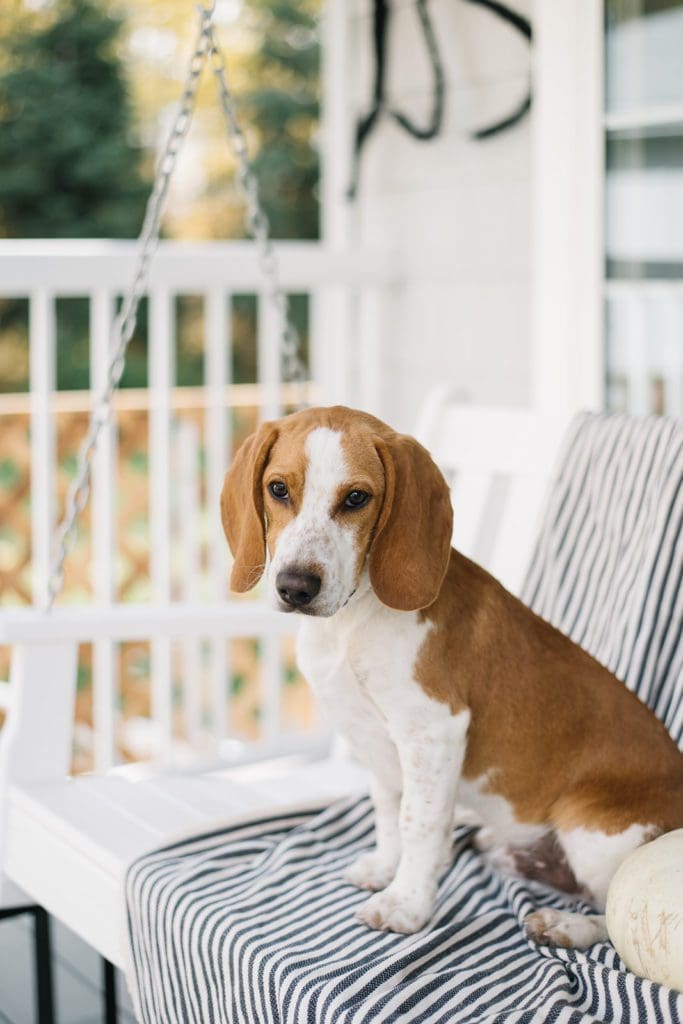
point(645, 910)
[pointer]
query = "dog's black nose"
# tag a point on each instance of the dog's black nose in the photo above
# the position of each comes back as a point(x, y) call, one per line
point(297, 588)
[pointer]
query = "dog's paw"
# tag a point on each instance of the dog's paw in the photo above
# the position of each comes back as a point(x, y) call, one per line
point(484, 839)
point(394, 912)
point(565, 928)
point(546, 928)
point(371, 872)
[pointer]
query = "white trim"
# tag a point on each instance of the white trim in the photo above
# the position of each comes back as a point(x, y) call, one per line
point(643, 286)
point(668, 116)
point(568, 172)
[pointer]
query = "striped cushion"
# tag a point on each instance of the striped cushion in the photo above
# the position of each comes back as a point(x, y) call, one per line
point(254, 924)
point(608, 566)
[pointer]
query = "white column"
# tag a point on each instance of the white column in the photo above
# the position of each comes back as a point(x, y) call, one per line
point(567, 230)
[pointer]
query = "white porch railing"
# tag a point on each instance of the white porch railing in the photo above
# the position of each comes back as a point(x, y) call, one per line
point(341, 287)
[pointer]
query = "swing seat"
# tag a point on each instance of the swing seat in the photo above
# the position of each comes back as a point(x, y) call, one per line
point(68, 841)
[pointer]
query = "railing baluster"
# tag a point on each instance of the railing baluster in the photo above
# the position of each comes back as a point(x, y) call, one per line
point(320, 369)
point(161, 378)
point(42, 376)
point(330, 344)
point(269, 373)
point(371, 367)
point(187, 462)
point(105, 653)
point(271, 687)
point(217, 432)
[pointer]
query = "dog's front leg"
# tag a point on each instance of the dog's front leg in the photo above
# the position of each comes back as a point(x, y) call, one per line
point(376, 869)
point(431, 760)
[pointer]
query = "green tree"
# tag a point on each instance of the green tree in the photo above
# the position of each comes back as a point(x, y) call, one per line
point(68, 165)
point(283, 107)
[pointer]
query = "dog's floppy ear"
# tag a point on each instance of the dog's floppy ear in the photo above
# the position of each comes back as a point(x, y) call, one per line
point(242, 508)
point(410, 551)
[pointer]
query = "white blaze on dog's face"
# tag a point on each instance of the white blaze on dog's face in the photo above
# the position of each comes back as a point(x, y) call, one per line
point(319, 516)
point(327, 493)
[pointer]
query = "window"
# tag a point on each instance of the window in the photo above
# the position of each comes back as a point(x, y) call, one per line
point(644, 205)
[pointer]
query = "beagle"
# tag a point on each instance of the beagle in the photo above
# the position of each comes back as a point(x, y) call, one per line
point(446, 686)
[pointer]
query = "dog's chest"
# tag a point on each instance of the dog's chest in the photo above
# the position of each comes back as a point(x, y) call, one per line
point(349, 666)
point(361, 666)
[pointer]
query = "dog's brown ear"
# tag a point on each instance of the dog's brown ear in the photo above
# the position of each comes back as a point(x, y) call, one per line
point(409, 554)
point(242, 508)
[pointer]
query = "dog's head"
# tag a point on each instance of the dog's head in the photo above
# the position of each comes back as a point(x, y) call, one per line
point(329, 493)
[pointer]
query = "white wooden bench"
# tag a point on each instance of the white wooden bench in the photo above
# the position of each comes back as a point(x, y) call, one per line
point(67, 841)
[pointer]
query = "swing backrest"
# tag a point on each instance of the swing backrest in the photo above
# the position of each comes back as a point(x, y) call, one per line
point(499, 462)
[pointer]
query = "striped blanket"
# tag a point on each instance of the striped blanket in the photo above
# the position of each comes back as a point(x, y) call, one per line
point(255, 925)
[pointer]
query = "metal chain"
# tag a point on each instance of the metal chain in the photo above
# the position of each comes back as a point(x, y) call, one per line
point(125, 322)
point(256, 220)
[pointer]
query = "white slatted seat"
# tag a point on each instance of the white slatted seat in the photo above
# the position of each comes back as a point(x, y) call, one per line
point(67, 841)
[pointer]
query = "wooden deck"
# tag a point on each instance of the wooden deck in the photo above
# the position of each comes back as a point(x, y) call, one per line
point(77, 977)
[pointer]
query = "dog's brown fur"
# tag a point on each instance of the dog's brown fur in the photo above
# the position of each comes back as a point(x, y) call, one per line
point(560, 737)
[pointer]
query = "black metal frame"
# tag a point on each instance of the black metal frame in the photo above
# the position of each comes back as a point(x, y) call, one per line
point(42, 952)
point(109, 978)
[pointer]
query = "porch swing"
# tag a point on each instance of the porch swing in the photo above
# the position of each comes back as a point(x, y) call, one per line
point(99, 823)
point(68, 842)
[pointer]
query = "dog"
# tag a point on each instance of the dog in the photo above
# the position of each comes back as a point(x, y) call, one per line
point(448, 689)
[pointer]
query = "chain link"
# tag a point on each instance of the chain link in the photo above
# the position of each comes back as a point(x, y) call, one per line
point(256, 220)
point(124, 325)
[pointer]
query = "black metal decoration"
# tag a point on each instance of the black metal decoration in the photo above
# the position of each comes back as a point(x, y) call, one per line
point(382, 10)
point(523, 26)
point(365, 124)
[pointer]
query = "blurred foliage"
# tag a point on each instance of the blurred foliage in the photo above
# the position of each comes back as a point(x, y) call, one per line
point(68, 166)
point(87, 89)
point(284, 109)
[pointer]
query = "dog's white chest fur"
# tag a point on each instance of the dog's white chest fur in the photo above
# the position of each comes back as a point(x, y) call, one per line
point(360, 665)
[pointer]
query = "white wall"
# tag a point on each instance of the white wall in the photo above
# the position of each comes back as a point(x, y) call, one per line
point(457, 210)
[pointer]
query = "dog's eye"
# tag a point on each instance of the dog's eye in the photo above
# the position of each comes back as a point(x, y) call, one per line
point(278, 490)
point(356, 499)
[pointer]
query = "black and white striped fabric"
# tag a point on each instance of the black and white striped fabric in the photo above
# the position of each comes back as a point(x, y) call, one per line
point(255, 925)
point(608, 567)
